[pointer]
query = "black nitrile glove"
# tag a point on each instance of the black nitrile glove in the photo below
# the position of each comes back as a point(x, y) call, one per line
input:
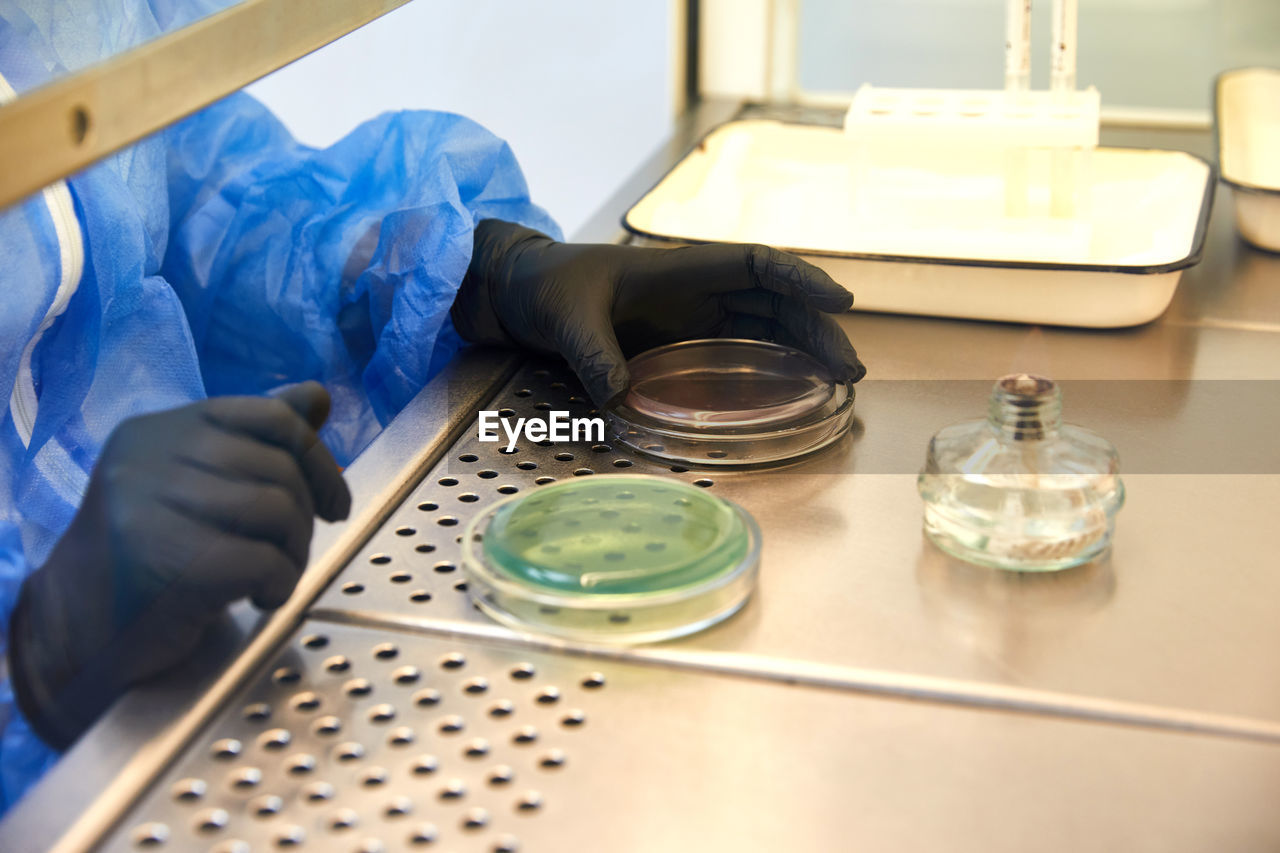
point(186, 511)
point(598, 304)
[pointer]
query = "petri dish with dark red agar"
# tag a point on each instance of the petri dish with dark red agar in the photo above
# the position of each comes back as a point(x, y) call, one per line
point(725, 402)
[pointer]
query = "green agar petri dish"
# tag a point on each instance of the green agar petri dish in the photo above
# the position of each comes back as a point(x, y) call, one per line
point(622, 558)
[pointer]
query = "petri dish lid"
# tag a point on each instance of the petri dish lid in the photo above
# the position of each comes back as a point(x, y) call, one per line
point(622, 558)
point(727, 401)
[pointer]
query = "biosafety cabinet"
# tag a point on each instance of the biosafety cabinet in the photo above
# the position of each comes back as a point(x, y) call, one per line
point(755, 645)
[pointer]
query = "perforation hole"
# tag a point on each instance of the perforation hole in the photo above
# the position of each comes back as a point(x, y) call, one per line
point(454, 789)
point(475, 819)
point(469, 497)
point(327, 726)
point(583, 472)
point(476, 748)
point(423, 833)
point(529, 801)
point(468, 457)
point(564, 456)
point(337, 663)
point(343, 819)
point(424, 548)
point(622, 463)
point(290, 836)
point(504, 708)
point(487, 474)
point(428, 506)
point(386, 651)
point(315, 641)
point(425, 765)
point(357, 687)
point(527, 465)
point(373, 777)
point(406, 675)
point(507, 490)
point(420, 596)
point(189, 790)
point(211, 820)
point(402, 736)
point(151, 835)
point(548, 696)
point(257, 712)
point(542, 481)
point(522, 671)
point(525, 735)
point(286, 675)
point(318, 792)
point(398, 807)
point(552, 759)
point(406, 531)
point(266, 805)
point(447, 481)
point(524, 392)
point(593, 681)
point(275, 739)
point(447, 521)
point(305, 702)
point(704, 483)
point(383, 713)
point(427, 697)
point(453, 660)
point(444, 567)
point(573, 719)
point(225, 749)
point(246, 777)
point(300, 765)
point(451, 725)
point(352, 588)
point(501, 775)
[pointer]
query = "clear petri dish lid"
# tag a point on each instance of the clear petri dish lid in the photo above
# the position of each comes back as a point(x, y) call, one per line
point(622, 558)
point(730, 402)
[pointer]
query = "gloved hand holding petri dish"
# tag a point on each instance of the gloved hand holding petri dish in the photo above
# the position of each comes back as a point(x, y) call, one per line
point(597, 305)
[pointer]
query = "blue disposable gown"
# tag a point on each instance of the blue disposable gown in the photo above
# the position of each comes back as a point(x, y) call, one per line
point(216, 257)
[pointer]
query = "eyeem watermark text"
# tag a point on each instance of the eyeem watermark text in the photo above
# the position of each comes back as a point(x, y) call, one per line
point(556, 426)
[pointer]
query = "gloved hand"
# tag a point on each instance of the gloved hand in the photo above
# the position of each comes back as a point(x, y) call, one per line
point(598, 304)
point(186, 511)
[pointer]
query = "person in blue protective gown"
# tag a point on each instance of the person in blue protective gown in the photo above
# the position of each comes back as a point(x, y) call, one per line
point(198, 331)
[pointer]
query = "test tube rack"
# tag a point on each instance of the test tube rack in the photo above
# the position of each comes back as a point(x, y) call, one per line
point(949, 167)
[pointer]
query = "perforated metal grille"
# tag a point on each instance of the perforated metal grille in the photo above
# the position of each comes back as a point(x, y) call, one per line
point(355, 739)
point(412, 566)
point(652, 759)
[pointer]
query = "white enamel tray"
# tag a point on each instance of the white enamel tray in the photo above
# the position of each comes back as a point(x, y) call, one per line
point(1247, 119)
point(789, 185)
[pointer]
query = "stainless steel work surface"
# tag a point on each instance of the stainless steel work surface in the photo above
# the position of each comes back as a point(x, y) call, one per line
point(358, 739)
point(1185, 613)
